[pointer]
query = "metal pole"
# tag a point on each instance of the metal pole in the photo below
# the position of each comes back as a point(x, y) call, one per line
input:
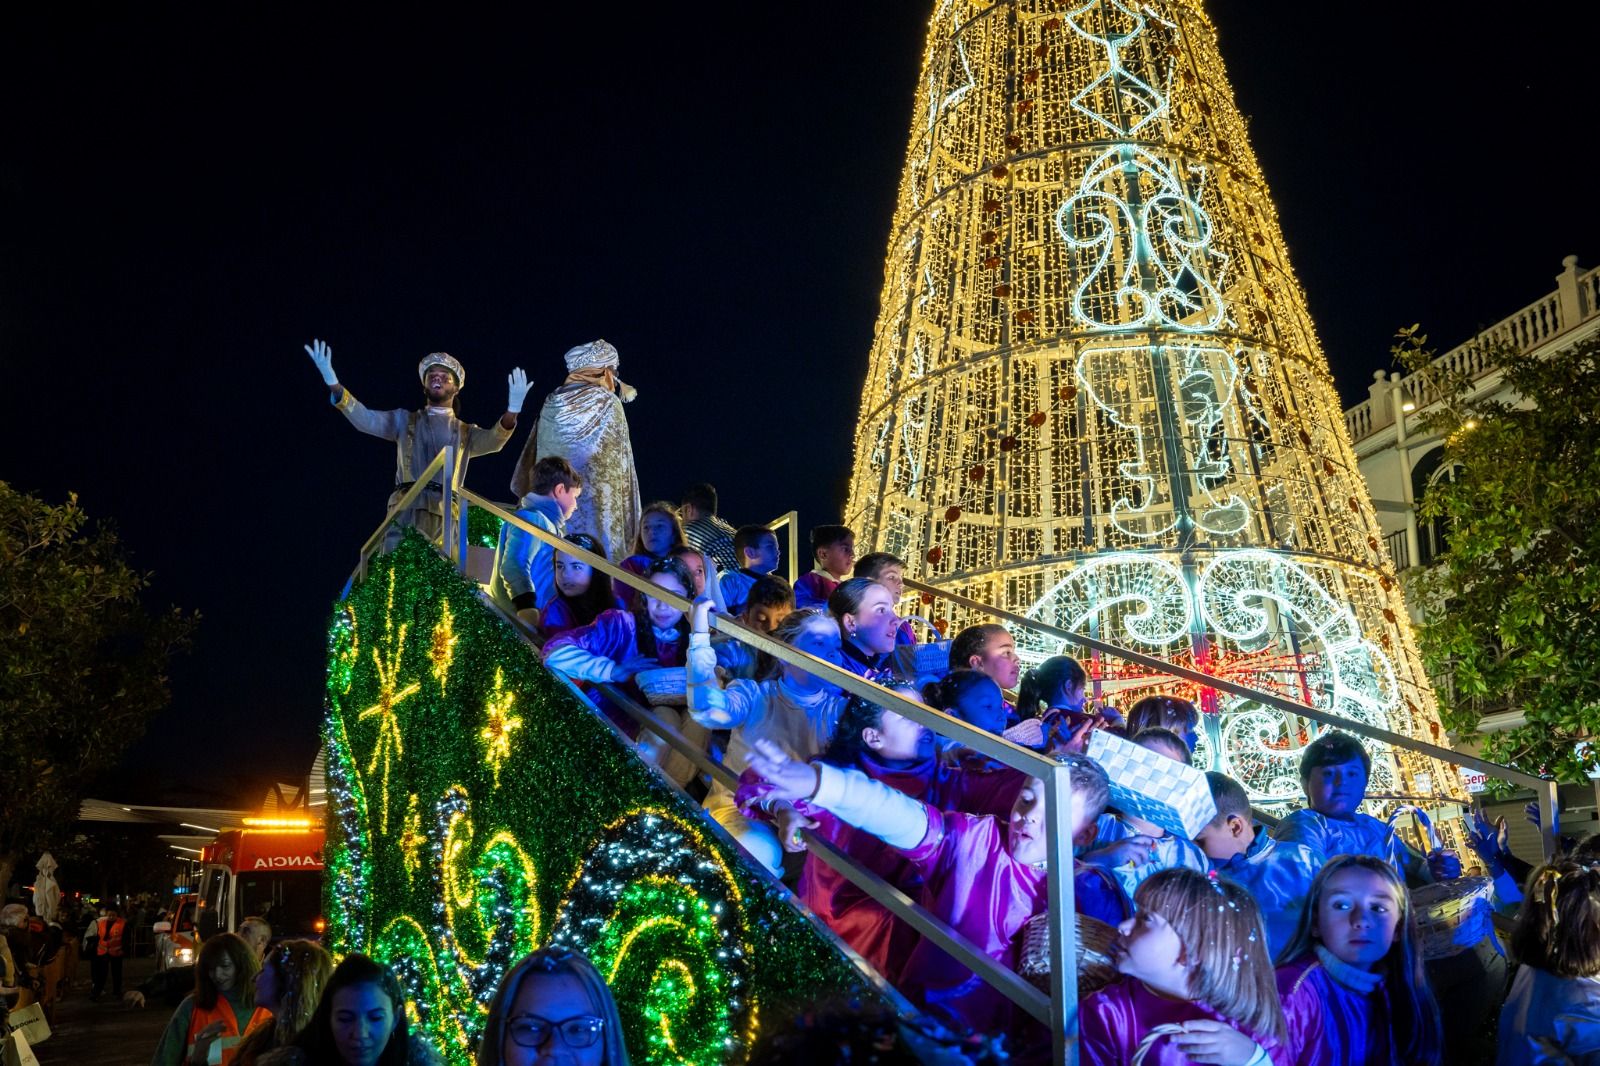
point(793, 519)
point(1549, 812)
point(461, 537)
point(447, 478)
point(1062, 909)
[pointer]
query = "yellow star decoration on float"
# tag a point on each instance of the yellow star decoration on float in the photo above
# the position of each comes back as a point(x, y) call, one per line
point(499, 726)
point(412, 838)
point(390, 744)
point(442, 650)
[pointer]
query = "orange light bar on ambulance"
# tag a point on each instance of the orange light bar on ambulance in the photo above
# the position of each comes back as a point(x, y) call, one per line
point(282, 823)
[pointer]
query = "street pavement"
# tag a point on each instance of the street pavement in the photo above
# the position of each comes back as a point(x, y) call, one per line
point(105, 1033)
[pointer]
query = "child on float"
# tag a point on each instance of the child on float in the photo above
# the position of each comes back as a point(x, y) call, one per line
point(1053, 702)
point(990, 649)
point(704, 573)
point(220, 1012)
point(984, 875)
point(620, 643)
point(767, 603)
point(1553, 1011)
point(1197, 985)
point(553, 1006)
point(523, 576)
point(1353, 987)
point(888, 570)
point(1131, 849)
point(971, 696)
point(582, 592)
point(833, 554)
point(757, 550)
point(1276, 873)
point(1333, 774)
point(787, 707)
point(660, 530)
point(1166, 712)
point(864, 610)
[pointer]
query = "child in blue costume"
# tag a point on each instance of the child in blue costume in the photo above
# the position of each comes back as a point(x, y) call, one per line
point(1333, 773)
point(1553, 1011)
point(757, 550)
point(1277, 873)
point(524, 565)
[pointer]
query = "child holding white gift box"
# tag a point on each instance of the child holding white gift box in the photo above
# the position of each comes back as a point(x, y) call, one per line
point(1133, 849)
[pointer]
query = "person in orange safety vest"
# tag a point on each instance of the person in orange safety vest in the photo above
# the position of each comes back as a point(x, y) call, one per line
point(209, 1024)
point(107, 957)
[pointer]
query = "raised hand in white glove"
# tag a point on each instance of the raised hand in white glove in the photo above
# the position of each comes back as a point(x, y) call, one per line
point(519, 385)
point(322, 355)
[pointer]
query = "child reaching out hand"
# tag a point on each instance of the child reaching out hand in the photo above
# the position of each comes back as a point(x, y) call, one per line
point(984, 875)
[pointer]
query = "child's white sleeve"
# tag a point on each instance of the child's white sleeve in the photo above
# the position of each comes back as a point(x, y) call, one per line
point(578, 662)
point(708, 703)
point(886, 813)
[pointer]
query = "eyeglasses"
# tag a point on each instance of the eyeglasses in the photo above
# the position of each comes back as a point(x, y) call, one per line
point(531, 1031)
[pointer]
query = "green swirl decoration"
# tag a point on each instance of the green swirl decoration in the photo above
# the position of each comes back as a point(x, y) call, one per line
point(461, 874)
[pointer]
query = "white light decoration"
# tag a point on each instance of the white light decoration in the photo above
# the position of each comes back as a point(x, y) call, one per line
point(1095, 397)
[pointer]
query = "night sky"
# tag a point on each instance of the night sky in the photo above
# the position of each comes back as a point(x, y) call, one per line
point(189, 195)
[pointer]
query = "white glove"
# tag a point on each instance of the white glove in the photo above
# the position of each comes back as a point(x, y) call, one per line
point(322, 355)
point(519, 383)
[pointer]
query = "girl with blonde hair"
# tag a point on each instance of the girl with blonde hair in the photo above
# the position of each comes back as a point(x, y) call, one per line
point(1197, 982)
point(289, 985)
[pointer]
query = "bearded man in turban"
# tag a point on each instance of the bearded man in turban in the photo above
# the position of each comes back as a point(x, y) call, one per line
point(583, 422)
point(419, 435)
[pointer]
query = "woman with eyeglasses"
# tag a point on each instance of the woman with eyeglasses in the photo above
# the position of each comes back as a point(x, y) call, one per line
point(553, 1007)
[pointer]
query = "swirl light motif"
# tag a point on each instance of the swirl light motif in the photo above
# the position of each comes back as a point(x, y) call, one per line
point(1144, 597)
point(1153, 245)
point(1094, 376)
point(659, 915)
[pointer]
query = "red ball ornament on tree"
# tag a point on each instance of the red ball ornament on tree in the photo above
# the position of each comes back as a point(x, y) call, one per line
point(1008, 444)
point(976, 473)
point(935, 554)
point(951, 514)
point(1036, 419)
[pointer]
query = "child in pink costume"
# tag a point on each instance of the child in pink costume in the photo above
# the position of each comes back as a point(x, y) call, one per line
point(1197, 983)
point(984, 877)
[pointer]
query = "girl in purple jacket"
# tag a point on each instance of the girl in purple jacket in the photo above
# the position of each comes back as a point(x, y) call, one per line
point(1354, 989)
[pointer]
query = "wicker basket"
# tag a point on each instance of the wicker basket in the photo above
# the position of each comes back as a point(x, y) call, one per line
point(1094, 940)
point(666, 687)
point(1453, 915)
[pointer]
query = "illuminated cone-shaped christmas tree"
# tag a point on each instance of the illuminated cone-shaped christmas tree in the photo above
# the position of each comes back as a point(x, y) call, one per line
point(1096, 397)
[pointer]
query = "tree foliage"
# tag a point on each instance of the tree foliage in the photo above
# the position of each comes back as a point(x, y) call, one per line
point(1512, 606)
point(83, 665)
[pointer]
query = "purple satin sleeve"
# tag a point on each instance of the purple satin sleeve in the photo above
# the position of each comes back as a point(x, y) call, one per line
point(610, 636)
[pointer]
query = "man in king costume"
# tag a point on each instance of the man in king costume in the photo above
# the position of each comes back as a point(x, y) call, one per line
point(419, 435)
point(583, 422)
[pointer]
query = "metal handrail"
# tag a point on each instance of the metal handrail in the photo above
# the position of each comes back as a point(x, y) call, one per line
point(405, 501)
point(1549, 796)
point(792, 521)
point(1061, 1010)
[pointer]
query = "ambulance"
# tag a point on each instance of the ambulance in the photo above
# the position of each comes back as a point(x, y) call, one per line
point(270, 868)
